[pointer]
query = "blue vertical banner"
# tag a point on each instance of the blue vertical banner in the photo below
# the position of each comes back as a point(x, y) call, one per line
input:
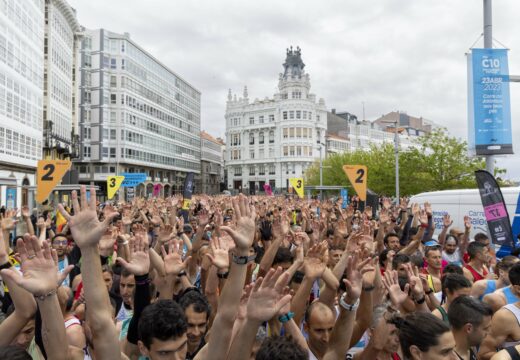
point(489, 109)
point(10, 198)
point(344, 196)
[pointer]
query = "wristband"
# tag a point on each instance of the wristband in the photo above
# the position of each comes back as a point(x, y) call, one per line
point(425, 226)
point(223, 275)
point(429, 291)
point(7, 265)
point(285, 318)
point(348, 307)
point(182, 273)
point(243, 260)
point(420, 301)
point(141, 279)
point(369, 288)
point(45, 296)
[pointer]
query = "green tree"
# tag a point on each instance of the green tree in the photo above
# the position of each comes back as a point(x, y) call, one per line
point(437, 162)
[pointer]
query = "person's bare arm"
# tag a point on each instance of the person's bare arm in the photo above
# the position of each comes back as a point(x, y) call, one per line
point(24, 304)
point(465, 238)
point(243, 237)
point(340, 339)
point(446, 222)
point(87, 231)
point(280, 228)
point(265, 301)
point(26, 216)
point(500, 330)
point(40, 278)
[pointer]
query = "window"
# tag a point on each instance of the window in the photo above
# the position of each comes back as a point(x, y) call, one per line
point(251, 139)
point(86, 151)
point(272, 169)
point(299, 151)
point(271, 137)
point(252, 171)
point(305, 115)
point(291, 151)
point(317, 118)
point(291, 133)
point(285, 133)
point(261, 119)
point(87, 133)
point(285, 151)
point(296, 95)
point(105, 152)
point(113, 81)
point(261, 137)
point(261, 154)
point(238, 171)
point(123, 65)
point(251, 154)
point(113, 63)
point(112, 153)
point(285, 115)
point(112, 134)
point(113, 98)
point(298, 114)
point(304, 132)
point(271, 153)
point(271, 118)
point(105, 134)
point(291, 114)
point(318, 136)
point(251, 121)
point(298, 132)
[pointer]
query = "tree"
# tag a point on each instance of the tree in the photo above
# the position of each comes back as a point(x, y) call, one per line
point(437, 162)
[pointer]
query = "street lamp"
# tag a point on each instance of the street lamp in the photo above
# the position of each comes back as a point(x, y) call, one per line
point(396, 148)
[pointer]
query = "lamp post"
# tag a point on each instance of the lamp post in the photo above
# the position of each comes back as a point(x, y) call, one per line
point(396, 149)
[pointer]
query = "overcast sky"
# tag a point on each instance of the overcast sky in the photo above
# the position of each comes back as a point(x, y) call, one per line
point(389, 54)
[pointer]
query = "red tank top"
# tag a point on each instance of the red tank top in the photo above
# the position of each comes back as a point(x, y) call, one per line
point(476, 275)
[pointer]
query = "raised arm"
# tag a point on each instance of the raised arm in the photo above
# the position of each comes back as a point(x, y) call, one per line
point(446, 222)
point(341, 334)
point(24, 304)
point(40, 278)
point(229, 301)
point(87, 231)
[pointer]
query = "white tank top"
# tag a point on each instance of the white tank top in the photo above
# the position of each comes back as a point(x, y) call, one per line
point(516, 312)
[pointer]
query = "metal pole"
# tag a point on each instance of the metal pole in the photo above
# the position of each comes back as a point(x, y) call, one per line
point(396, 147)
point(321, 177)
point(488, 44)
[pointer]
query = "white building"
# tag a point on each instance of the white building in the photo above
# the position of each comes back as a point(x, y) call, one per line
point(137, 116)
point(62, 33)
point(21, 97)
point(272, 140)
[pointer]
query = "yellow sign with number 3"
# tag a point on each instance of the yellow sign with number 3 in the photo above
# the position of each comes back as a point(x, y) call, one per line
point(113, 184)
point(297, 184)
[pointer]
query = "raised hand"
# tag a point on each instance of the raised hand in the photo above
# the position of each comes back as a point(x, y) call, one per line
point(220, 253)
point(354, 279)
point(316, 262)
point(8, 222)
point(391, 283)
point(428, 208)
point(446, 221)
point(165, 233)
point(109, 211)
point(26, 212)
point(415, 281)
point(467, 223)
point(173, 263)
point(140, 257)
point(244, 234)
point(203, 217)
point(85, 226)
point(415, 209)
point(268, 296)
point(39, 268)
point(423, 217)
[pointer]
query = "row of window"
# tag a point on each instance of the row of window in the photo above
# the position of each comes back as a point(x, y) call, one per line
point(152, 111)
point(261, 138)
point(297, 151)
point(20, 103)
point(294, 95)
point(60, 26)
point(260, 119)
point(289, 169)
point(148, 125)
point(298, 133)
point(62, 126)
point(61, 91)
point(160, 145)
point(20, 145)
point(159, 159)
point(261, 170)
point(298, 114)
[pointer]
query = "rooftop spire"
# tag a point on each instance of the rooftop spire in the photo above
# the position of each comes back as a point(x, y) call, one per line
point(293, 66)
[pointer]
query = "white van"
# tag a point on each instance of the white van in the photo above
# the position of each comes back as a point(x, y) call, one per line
point(459, 203)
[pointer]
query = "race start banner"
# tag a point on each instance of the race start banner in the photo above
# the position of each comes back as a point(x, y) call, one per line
point(495, 210)
point(489, 108)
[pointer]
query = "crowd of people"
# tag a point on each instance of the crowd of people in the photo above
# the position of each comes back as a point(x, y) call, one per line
point(251, 277)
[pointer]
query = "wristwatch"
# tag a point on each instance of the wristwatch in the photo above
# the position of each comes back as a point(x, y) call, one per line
point(243, 260)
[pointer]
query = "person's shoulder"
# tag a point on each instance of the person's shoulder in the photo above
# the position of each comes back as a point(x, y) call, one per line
point(501, 355)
